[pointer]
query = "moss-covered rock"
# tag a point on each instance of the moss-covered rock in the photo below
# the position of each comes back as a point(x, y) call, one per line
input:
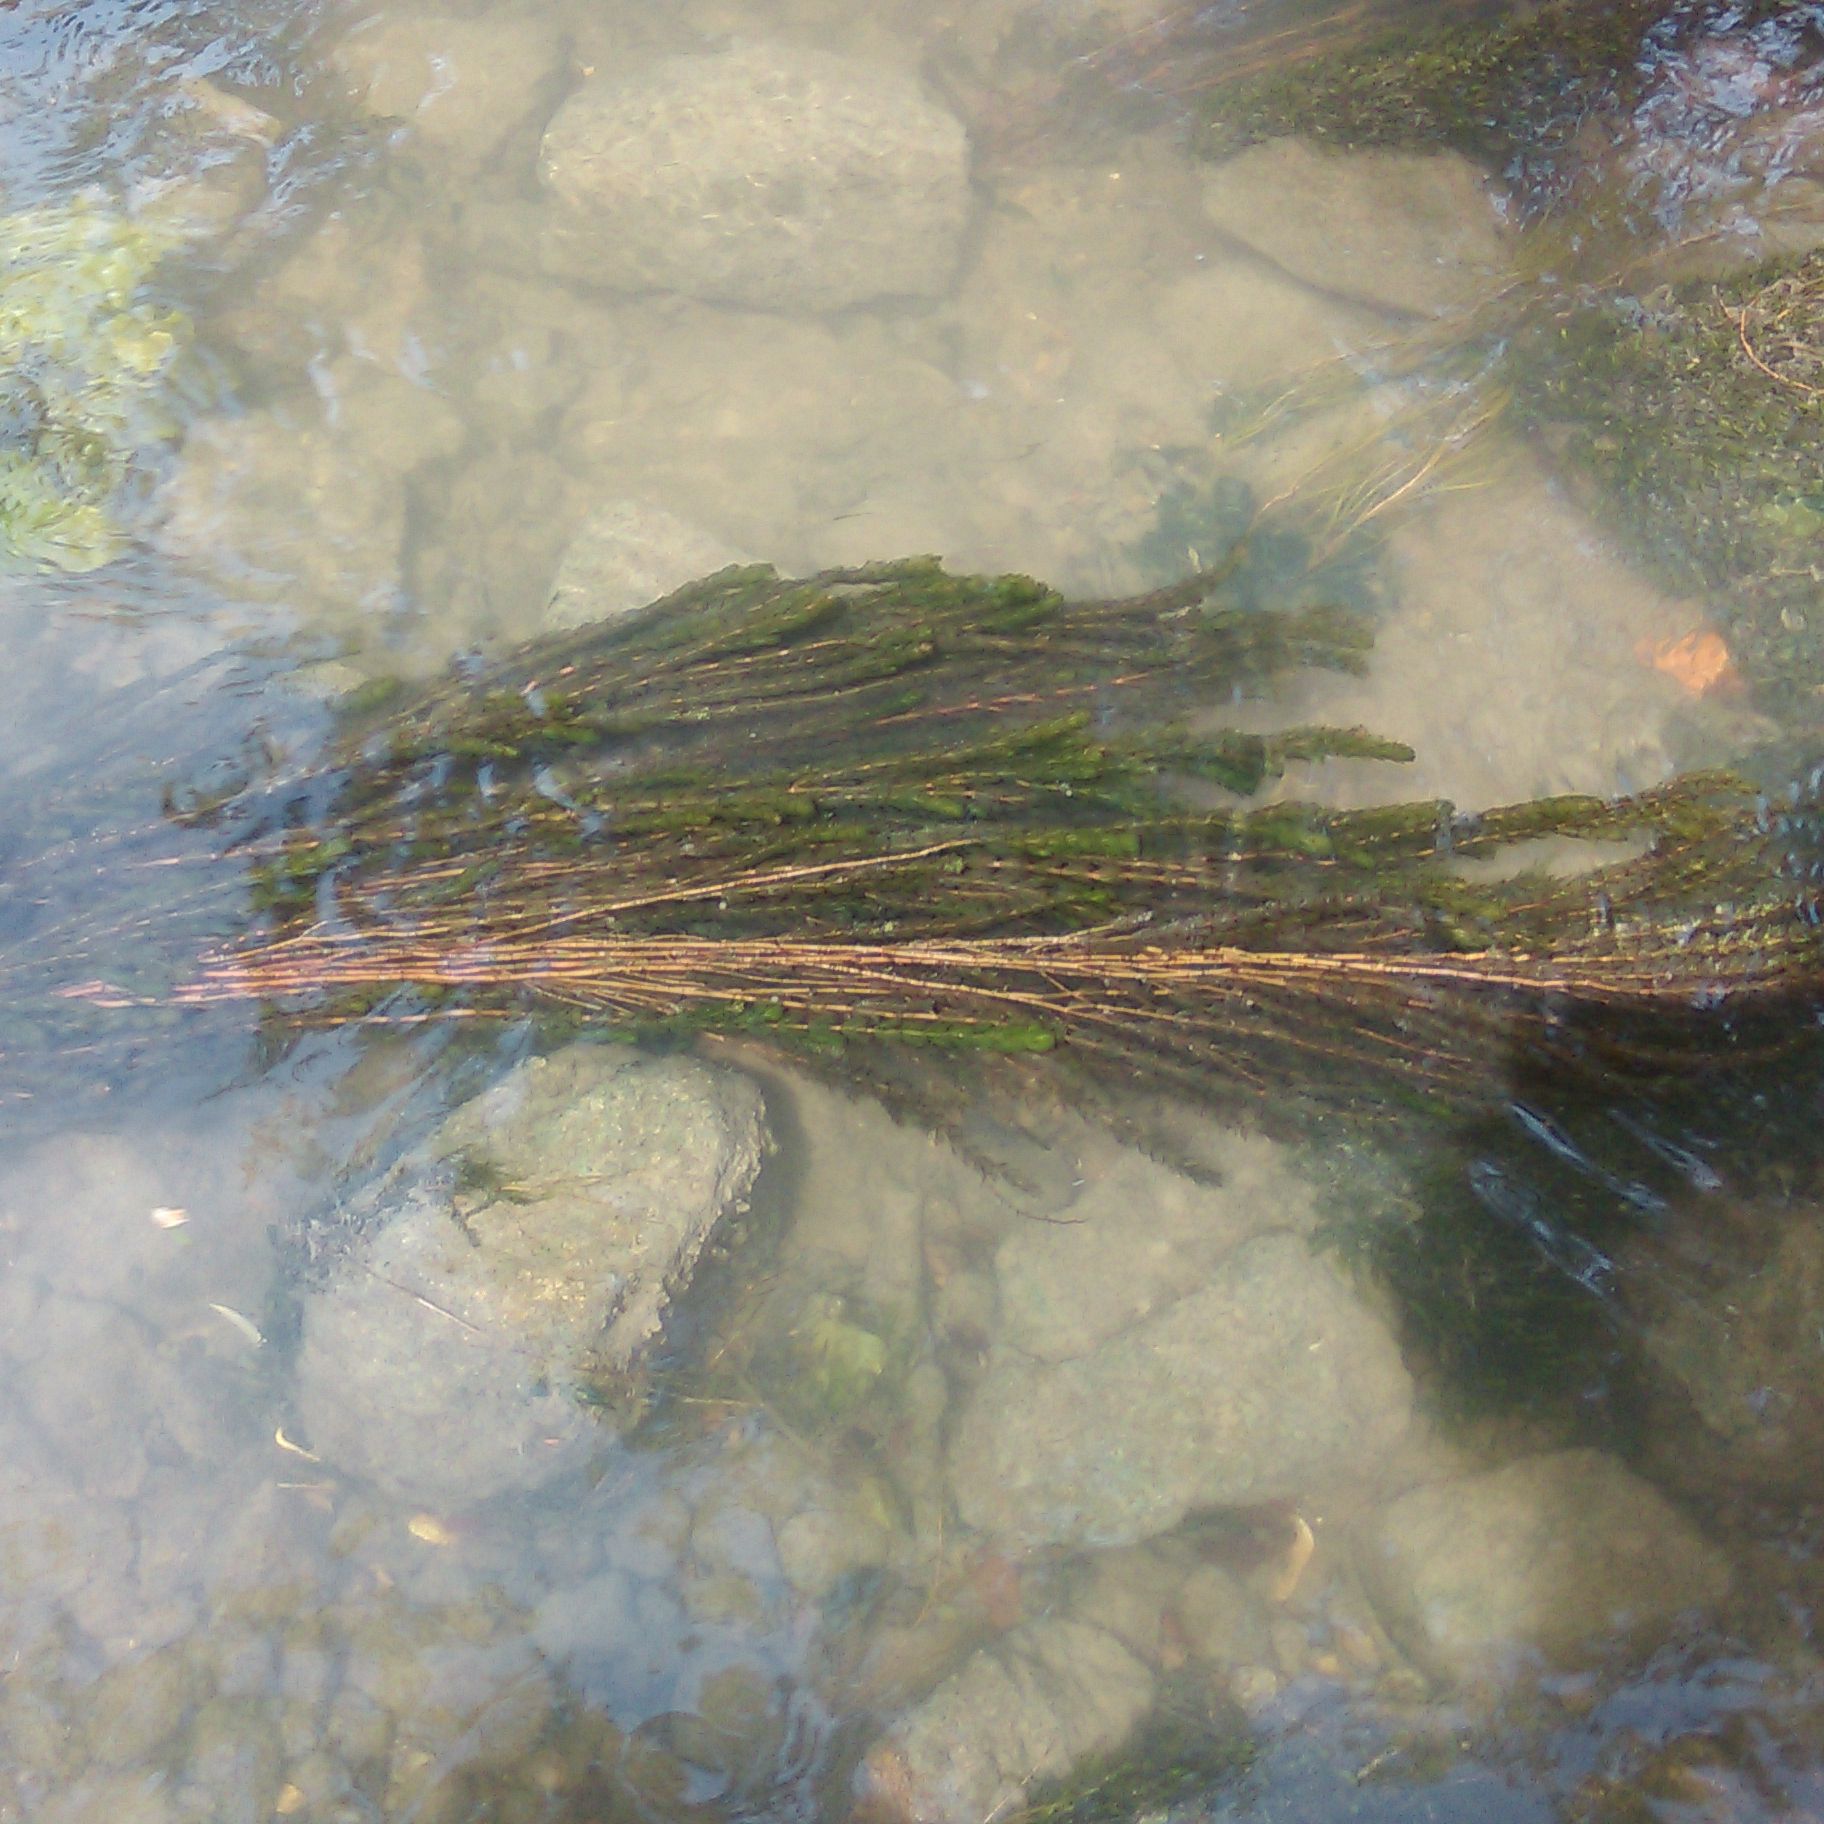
point(1486, 86)
point(1695, 414)
point(1514, 83)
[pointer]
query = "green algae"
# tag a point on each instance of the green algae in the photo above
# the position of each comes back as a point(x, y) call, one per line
point(1500, 87)
point(839, 1355)
point(1215, 528)
point(85, 378)
point(1184, 1753)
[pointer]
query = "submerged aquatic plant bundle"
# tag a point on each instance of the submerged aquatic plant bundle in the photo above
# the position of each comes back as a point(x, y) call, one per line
point(890, 804)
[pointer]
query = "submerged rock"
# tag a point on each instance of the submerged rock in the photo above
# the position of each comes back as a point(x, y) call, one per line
point(767, 429)
point(306, 501)
point(1166, 1605)
point(772, 177)
point(441, 1360)
point(628, 553)
point(1048, 1696)
point(412, 1376)
point(1740, 1345)
point(1269, 1378)
point(481, 1706)
point(1138, 1238)
point(1719, 156)
point(1404, 231)
point(1554, 1555)
point(462, 86)
point(1501, 699)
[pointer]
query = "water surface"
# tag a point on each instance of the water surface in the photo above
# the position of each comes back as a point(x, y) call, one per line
point(389, 422)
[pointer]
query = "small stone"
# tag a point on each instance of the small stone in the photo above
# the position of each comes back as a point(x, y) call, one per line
point(475, 1707)
point(361, 1728)
point(1131, 1592)
point(246, 1663)
point(358, 284)
point(1356, 1645)
point(853, 1155)
point(1404, 1686)
point(85, 1385)
point(307, 1680)
point(232, 1775)
point(766, 176)
point(1291, 1645)
point(137, 1798)
point(56, 1543)
point(1221, 1619)
point(817, 1549)
point(585, 1618)
point(1254, 1687)
point(258, 1555)
point(729, 1537)
point(138, 1705)
point(1553, 1555)
point(1051, 1694)
point(307, 498)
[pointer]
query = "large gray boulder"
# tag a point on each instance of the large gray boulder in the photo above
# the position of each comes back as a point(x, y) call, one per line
point(1553, 1555)
point(777, 178)
point(539, 1237)
point(1272, 1378)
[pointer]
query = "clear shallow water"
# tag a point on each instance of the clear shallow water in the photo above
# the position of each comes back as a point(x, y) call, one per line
point(393, 425)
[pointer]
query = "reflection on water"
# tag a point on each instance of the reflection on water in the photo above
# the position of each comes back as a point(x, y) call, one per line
point(413, 1426)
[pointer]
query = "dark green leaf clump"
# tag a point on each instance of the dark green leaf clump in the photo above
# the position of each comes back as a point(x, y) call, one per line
point(1490, 87)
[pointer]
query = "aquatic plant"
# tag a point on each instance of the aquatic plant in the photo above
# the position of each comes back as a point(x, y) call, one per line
point(964, 814)
point(1185, 1752)
point(901, 820)
point(83, 379)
